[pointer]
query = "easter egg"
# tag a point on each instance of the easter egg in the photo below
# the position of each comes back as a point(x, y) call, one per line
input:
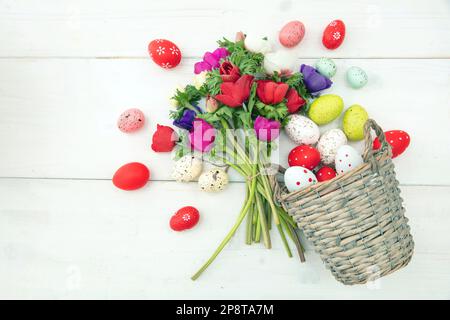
point(185, 218)
point(296, 178)
point(334, 34)
point(213, 180)
point(187, 168)
point(325, 173)
point(353, 123)
point(164, 53)
point(326, 108)
point(328, 144)
point(302, 130)
point(326, 67)
point(131, 120)
point(304, 156)
point(356, 77)
point(292, 33)
point(347, 158)
point(398, 139)
point(131, 176)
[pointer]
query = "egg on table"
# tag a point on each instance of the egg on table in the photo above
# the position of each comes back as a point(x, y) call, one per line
point(326, 67)
point(355, 118)
point(347, 159)
point(296, 178)
point(213, 180)
point(131, 120)
point(187, 168)
point(357, 77)
point(164, 53)
point(329, 143)
point(334, 34)
point(131, 176)
point(292, 33)
point(326, 108)
point(302, 130)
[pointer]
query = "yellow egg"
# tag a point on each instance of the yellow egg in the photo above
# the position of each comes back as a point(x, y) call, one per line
point(353, 123)
point(326, 108)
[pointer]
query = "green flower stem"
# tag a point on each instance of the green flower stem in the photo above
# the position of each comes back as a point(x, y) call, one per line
point(255, 221)
point(263, 223)
point(257, 233)
point(233, 230)
point(283, 238)
point(293, 235)
point(249, 225)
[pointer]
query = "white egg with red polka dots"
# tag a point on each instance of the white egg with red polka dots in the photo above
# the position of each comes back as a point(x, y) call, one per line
point(296, 178)
point(347, 159)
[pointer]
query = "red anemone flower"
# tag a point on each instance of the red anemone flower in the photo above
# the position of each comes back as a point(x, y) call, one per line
point(270, 92)
point(294, 101)
point(234, 94)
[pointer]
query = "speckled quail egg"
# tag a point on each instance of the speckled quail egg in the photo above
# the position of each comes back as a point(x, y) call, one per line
point(302, 130)
point(187, 168)
point(329, 143)
point(356, 77)
point(326, 67)
point(213, 180)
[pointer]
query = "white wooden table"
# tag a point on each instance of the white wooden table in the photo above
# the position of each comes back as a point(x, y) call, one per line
point(68, 68)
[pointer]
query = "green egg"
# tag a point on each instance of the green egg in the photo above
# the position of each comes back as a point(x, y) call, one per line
point(356, 77)
point(326, 67)
point(326, 108)
point(353, 123)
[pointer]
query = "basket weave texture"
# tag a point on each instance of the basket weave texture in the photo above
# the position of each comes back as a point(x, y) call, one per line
point(355, 221)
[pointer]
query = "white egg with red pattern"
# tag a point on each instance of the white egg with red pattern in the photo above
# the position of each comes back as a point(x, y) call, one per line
point(347, 159)
point(296, 178)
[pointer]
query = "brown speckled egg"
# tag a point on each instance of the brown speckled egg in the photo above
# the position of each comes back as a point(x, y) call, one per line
point(131, 120)
point(329, 143)
point(302, 130)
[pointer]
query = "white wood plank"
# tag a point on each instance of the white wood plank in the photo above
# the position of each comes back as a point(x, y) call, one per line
point(58, 117)
point(118, 28)
point(86, 239)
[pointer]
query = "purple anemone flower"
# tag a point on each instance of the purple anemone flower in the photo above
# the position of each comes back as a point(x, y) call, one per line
point(187, 119)
point(313, 80)
point(185, 122)
point(210, 60)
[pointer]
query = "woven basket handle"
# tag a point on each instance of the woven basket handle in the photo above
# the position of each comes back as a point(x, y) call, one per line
point(369, 153)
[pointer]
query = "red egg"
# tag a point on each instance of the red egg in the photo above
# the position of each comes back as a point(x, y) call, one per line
point(334, 34)
point(398, 139)
point(325, 173)
point(185, 218)
point(131, 176)
point(164, 53)
point(304, 156)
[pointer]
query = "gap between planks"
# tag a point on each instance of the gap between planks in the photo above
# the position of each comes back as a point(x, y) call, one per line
point(167, 180)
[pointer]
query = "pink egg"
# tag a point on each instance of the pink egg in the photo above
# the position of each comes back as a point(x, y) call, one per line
point(292, 33)
point(131, 120)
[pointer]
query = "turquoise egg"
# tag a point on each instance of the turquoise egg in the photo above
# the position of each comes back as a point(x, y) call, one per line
point(326, 67)
point(356, 77)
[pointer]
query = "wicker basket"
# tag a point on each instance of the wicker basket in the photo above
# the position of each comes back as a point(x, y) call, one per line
point(355, 221)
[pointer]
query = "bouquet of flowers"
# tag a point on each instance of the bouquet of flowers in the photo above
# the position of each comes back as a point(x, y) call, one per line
point(231, 116)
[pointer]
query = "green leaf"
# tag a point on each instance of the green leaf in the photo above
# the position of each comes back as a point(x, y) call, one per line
point(212, 83)
point(276, 112)
point(251, 99)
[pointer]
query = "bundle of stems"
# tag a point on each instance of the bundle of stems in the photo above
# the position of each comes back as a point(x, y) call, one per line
point(251, 160)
